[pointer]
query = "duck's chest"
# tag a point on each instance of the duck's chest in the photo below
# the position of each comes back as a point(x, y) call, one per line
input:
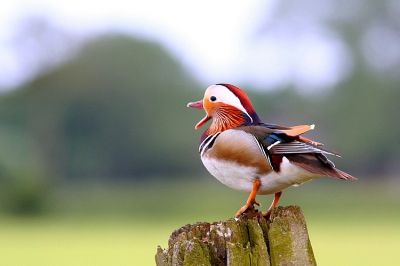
point(235, 158)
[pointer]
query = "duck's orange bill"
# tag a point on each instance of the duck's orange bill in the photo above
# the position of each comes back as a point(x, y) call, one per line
point(199, 105)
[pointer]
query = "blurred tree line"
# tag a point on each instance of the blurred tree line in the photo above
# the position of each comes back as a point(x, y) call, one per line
point(116, 109)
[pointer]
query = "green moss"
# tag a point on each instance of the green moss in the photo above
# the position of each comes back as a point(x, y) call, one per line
point(259, 253)
point(237, 232)
point(289, 241)
point(195, 255)
point(280, 241)
point(237, 254)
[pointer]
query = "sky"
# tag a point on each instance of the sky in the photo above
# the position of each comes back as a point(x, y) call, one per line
point(216, 39)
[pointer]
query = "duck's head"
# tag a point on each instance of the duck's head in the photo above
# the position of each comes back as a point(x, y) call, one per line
point(227, 105)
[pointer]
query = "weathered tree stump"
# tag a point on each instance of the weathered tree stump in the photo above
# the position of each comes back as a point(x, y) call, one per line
point(281, 240)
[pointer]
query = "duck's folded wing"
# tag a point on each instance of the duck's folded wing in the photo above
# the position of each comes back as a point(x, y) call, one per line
point(282, 142)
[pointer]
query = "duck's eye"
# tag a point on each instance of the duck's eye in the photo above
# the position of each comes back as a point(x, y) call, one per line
point(213, 98)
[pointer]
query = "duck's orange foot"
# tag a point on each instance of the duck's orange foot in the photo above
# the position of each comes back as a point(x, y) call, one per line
point(243, 209)
point(249, 210)
point(267, 214)
point(249, 207)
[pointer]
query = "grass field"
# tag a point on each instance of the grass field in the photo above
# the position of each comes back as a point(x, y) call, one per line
point(350, 223)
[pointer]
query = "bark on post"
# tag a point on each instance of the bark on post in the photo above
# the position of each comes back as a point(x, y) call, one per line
point(282, 240)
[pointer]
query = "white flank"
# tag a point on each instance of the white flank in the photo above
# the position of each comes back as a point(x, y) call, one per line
point(241, 178)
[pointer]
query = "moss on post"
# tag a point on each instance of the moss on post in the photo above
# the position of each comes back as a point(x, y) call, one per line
point(241, 241)
point(289, 241)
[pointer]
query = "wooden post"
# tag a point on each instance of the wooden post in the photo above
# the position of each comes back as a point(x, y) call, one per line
point(288, 238)
point(282, 240)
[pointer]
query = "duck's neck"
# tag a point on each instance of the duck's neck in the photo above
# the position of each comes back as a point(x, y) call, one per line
point(224, 119)
point(228, 118)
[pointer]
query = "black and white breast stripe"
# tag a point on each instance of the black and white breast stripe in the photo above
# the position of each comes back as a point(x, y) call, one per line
point(207, 143)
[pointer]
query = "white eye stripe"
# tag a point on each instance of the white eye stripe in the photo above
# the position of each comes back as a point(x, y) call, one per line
point(223, 94)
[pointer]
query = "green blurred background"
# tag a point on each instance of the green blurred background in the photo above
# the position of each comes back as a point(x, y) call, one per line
point(99, 159)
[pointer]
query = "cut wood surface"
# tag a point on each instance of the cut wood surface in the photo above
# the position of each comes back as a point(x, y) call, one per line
point(280, 240)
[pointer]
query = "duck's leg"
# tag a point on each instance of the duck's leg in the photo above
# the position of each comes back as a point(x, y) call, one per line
point(273, 204)
point(251, 200)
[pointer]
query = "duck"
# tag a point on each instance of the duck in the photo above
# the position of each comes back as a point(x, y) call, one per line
point(248, 155)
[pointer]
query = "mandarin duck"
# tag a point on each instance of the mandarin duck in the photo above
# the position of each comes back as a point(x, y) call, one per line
point(248, 155)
